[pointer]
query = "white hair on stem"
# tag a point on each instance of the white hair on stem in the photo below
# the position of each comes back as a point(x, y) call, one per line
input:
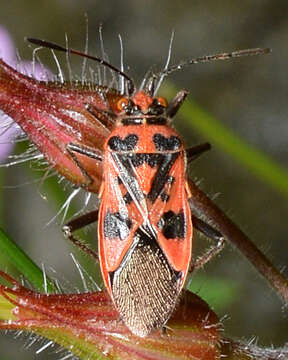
point(121, 78)
point(84, 63)
point(65, 207)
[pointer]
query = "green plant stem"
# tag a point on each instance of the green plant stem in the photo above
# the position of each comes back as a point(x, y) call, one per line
point(24, 264)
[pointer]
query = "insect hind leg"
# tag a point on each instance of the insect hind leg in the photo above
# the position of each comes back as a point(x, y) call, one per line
point(211, 233)
point(76, 224)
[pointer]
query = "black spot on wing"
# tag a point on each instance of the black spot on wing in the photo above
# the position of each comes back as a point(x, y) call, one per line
point(164, 196)
point(127, 144)
point(163, 143)
point(172, 225)
point(127, 198)
point(170, 179)
point(116, 225)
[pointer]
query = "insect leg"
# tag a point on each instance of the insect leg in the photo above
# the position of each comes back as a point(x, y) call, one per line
point(83, 150)
point(211, 233)
point(176, 103)
point(106, 118)
point(77, 224)
point(195, 151)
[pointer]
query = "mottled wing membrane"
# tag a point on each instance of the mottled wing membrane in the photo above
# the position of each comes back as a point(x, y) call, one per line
point(145, 289)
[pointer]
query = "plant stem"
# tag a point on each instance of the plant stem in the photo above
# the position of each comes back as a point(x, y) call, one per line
point(237, 350)
point(204, 207)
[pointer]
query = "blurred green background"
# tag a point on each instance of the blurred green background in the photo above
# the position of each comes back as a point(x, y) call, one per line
point(247, 95)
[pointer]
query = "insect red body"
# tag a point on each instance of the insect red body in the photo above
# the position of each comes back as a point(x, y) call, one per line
point(145, 229)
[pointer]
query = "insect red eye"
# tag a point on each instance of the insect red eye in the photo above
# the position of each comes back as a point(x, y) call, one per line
point(162, 101)
point(122, 103)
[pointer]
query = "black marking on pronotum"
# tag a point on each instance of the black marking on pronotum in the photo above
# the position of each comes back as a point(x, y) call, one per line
point(162, 175)
point(163, 143)
point(116, 225)
point(115, 143)
point(172, 225)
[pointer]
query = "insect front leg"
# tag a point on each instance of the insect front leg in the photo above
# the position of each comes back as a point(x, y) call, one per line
point(79, 223)
point(87, 151)
point(211, 233)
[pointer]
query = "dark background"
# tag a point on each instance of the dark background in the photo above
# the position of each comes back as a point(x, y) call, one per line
point(247, 95)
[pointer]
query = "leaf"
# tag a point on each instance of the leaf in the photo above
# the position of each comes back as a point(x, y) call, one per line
point(23, 263)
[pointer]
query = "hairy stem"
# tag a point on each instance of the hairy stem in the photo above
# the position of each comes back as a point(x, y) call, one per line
point(237, 350)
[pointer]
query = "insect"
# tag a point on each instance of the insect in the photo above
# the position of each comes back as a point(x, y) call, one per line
point(145, 227)
point(144, 220)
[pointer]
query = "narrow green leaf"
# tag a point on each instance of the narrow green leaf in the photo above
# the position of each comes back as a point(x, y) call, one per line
point(260, 164)
point(23, 263)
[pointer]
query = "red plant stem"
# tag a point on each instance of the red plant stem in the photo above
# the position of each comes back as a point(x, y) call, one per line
point(203, 206)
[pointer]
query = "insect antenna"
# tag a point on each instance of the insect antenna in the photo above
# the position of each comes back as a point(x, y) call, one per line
point(53, 46)
point(208, 58)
